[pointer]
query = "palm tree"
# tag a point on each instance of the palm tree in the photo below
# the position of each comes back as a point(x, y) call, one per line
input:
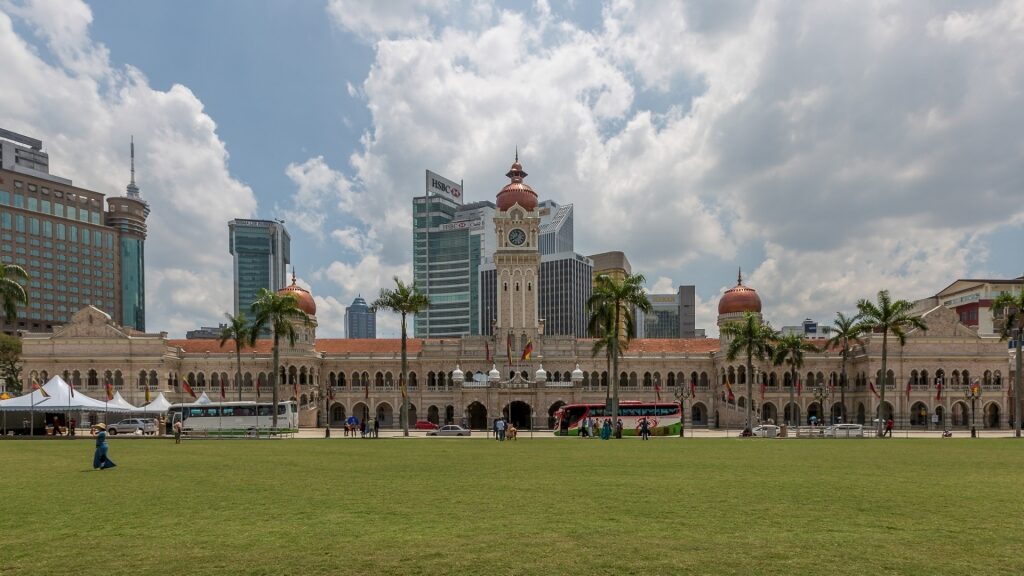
point(404, 299)
point(789, 349)
point(277, 312)
point(12, 292)
point(614, 301)
point(601, 326)
point(845, 331)
point(237, 329)
point(885, 316)
point(1011, 307)
point(753, 339)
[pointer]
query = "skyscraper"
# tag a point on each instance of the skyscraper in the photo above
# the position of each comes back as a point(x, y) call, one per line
point(262, 251)
point(450, 242)
point(128, 215)
point(672, 315)
point(73, 250)
point(360, 321)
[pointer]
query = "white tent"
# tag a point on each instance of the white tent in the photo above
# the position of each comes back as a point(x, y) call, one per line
point(58, 398)
point(203, 399)
point(160, 404)
point(120, 402)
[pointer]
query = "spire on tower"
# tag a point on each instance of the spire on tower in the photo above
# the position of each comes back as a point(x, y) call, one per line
point(133, 190)
point(517, 153)
point(739, 277)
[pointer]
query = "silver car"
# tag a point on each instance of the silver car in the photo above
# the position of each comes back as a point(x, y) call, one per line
point(132, 426)
point(845, 431)
point(450, 430)
point(766, 431)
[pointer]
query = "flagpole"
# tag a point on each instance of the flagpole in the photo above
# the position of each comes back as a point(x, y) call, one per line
point(32, 416)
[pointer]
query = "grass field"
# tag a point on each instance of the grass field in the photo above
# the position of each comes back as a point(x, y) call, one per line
point(551, 506)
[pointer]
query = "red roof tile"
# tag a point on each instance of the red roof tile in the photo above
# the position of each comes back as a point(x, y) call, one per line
point(669, 345)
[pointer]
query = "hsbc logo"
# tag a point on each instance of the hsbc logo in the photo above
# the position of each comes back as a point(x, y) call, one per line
point(445, 188)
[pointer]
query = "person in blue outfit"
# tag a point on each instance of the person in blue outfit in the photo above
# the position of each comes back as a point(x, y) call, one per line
point(99, 459)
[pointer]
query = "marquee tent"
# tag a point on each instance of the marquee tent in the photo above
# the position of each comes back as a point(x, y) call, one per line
point(58, 398)
point(203, 399)
point(159, 404)
point(120, 402)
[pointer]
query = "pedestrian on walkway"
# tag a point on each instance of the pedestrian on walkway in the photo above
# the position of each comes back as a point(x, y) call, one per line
point(376, 427)
point(500, 425)
point(606, 429)
point(618, 429)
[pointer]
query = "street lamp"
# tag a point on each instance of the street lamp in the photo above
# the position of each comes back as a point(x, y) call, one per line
point(973, 393)
point(682, 394)
point(821, 394)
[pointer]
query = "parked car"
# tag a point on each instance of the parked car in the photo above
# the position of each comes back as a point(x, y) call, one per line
point(132, 425)
point(450, 430)
point(766, 431)
point(845, 431)
point(425, 425)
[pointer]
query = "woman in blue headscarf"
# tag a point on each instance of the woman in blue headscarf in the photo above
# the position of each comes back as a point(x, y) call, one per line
point(99, 459)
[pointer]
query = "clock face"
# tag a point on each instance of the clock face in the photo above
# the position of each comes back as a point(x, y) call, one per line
point(516, 237)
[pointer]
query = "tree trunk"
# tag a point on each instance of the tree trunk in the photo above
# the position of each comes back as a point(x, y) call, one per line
point(238, 373)
point(405, 395)
point(793, 419)
point(276, 361)
point(615, 367)
point(750, 391)
point(884, 378)
point(842, 389)
point(1016, 387)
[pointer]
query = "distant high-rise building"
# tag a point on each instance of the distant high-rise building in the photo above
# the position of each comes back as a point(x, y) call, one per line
point(76, 252)
point(672, 315)
point(450, 242)
point(556, 235)
point(360, 321)
point(262, 252)
point(616, 266)
point(128, 215)
point(205, 333)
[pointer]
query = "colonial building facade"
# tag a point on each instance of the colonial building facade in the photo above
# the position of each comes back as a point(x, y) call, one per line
point(476, 378)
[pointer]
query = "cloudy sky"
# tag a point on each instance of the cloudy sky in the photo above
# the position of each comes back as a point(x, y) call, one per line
point(830, 149)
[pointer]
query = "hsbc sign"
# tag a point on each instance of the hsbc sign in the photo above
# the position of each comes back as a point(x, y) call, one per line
point(441, 186)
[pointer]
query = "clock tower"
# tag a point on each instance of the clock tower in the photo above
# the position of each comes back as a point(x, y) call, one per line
point(517, 261)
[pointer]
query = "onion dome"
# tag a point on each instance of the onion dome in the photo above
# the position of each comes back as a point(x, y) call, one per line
point(739, 298)
point(458, 376)
point(577, 374)
point(494, 375)
point(306, 303)
point(541, 375)
point(516, 192)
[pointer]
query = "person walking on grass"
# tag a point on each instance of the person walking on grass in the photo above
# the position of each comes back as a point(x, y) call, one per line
point(100, 461)
point(645, 429)
point(500, 425)
point(376, 427)
point(606, 429)
point(618, 429)
point(888, 427)
point(177, 431)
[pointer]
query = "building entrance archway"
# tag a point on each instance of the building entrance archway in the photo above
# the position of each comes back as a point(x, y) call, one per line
point(792, 414)
point(919, 415)
point(769, 413)
point(433, 415)
point(521, 415)
point(477, 415)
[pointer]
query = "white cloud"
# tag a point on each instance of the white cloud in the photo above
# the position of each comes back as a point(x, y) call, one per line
point(370, 20)
point(85, 109)
point(318, 187)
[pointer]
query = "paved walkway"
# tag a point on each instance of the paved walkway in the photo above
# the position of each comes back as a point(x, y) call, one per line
point(694, 434)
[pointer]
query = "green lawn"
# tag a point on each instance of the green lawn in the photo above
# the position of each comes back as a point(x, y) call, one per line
point(551, 506)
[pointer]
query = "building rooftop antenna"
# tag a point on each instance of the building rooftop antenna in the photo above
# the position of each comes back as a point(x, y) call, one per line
point(133, 190)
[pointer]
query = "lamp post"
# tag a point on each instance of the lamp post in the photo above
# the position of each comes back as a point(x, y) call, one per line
point(821, 394)
point(682, 395)
point(973, 393)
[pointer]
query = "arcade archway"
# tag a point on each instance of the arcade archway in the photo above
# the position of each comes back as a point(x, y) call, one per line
point(521, 415)
point(477, 415)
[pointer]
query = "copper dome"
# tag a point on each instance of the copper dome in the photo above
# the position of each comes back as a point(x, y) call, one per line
point(739, 298)
point(516, 192)
point(305, 299)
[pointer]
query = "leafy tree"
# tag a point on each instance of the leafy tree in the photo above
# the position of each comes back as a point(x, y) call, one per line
point(887, 315)
point(10, 371)
point(753, 339)
point(845, 332)
point(1010, 307)
point(278, 312)
point(12, 289)
point(789, 350)
point(612, 302)
point(403, 299)
point(601, 325)
point(236, 330)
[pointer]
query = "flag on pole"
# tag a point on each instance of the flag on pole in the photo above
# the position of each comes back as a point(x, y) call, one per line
point(147, 394)
point(908, 389)
point(42, 391)
point(366, 390)
point(188, 389)
point(873, 391)
point(728, 390)
point(657, 391)
point(71, 388)
point(330, 393)
point(257, 387)
point(799, 388)
point(223, 396)
point(693, 388)
point(487, 351)
point(508, 346)
point(938, 389)
point(295, 388)
point(527, 350)
point(110, 390)
point(762, 390)
point(976, 387)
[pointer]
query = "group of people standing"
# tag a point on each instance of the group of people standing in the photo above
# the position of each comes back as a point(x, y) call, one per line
point(503, 430)
point(590, 427)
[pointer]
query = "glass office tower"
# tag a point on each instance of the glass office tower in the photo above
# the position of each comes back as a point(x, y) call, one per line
point(262, 252)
